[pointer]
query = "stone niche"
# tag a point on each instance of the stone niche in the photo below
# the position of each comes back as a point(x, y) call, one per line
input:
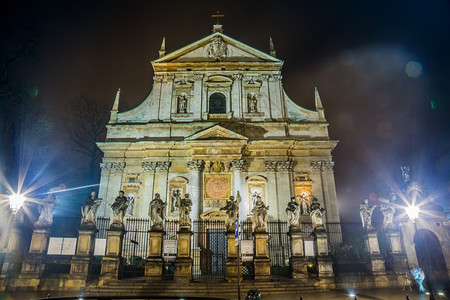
point(176, 185)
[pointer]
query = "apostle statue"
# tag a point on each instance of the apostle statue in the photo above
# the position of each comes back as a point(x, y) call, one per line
point(366, 211)
point(316, 214)
point(232, 210)
point(89, 210)
point(388, 210)
point(119, 208)
point(252, 103)
point(130, 209)
point(45, 210)
point(304, 201)
point(260, 215)
point(185, 209)
point(157, 212)
point(182, 104)
point(176, 197)
point(293, 213)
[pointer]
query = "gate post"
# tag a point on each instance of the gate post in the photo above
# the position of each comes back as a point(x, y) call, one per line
point(376, 259)
point(298, 260)
point(261, 260)
point(112, 261)
point(154, 262)
point(14, 250)
point(231, 264)
point(183, 262)
point(324, 262)
point(33, 265)
point(80, 263)
point(396, 255)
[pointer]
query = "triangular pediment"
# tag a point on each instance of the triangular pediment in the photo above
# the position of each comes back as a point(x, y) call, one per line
point(216, 132)
point(217, 47)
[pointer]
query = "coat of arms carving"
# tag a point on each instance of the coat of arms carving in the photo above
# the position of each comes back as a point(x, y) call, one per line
point(217, 49)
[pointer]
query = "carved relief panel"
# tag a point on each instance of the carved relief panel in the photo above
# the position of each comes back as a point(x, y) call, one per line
point(217, 189)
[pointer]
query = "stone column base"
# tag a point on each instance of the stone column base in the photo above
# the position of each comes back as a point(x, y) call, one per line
point(231, 271)
point(33, 266)
point(325, 266)
point(110, 269)
point(377, 264)
point(262, 268)
point(183, 269)
point(79, 267)
point(153, 269)
point(299, 267)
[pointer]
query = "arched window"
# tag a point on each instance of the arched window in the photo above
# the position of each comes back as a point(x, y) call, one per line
point(217, 104)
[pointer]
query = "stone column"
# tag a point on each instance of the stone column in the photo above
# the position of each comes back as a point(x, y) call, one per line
point(238, 166)
point(261, 259)
point(297, 261)
point(154, 262)
point(231, 271)
point(33, 265)
point(271, 189)
point(112, 261)
point(324, 262)
point(161, 178)
point(283, 186)
point(376, 259)
point(148, 179)
point(236, 96)
point(80, 264)
point(195, 187)
point(183, 262)
point(14, 249)
point(115, 170)
point(197, 94)
point(166, 97)
point(396, 256)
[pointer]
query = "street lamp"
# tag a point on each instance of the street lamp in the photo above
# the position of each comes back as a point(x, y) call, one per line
point(15, 202)
point(413, 212)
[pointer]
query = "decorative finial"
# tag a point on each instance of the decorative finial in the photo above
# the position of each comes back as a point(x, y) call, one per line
point(162, 51)
point(217, 27)
point(272, 50)
point(115, 108)
point(319, 106)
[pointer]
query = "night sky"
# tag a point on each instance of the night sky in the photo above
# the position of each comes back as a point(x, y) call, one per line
point(384, 111)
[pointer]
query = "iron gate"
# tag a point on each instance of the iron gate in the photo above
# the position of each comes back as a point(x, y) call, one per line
point(209, 249)
point(279, 248)
point(135, 248)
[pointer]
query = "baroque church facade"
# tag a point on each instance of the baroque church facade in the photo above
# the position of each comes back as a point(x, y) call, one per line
point(218, 123)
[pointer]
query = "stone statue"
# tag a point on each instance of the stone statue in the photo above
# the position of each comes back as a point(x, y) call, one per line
point(304, 201)
point(232, 210)
point(130, 209)
point(89, 210)
point(182, 104)
point(157, 212)
point(316, 214)
point(176, 197)
point(46, 211)
point(260, 215)
point(388, 210)
point(293, 213)
point(119, 208)
point(185, 209)
point(252, 103)
point(366, 211)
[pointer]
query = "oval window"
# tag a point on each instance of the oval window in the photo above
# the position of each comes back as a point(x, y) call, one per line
point(217, 104)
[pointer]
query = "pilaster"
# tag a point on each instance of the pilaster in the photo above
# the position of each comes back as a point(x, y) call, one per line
point(195, 186)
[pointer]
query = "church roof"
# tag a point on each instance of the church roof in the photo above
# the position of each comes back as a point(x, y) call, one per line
point(236, 51)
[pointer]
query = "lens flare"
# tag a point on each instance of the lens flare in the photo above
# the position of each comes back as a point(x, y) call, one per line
point(413, 69)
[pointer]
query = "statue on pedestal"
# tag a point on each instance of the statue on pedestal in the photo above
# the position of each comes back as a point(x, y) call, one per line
point(232, 210)
point(304, 201)
point(252, 103)
point(366, 211)
point(119, 208)
point(89, 210)
point(156, 212)
point(293, 213)
point(182, 104)
point(388, 210)
point(185, 209)
point(176, 198)
point(316, 214)
point(260, 215)
point(46, 211)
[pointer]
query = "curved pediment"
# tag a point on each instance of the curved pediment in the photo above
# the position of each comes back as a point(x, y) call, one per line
point(219, 78)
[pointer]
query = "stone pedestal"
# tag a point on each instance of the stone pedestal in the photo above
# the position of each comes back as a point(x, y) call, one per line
point(261, 259)
point(33, 265)
point(81, 261)
point(14, 253)
point(298, 262)
point(154, 262)
point(376, 259)
point(396, 258)
point(112, 261)
point(324, 262)
point(231, 271)
point(183, 262)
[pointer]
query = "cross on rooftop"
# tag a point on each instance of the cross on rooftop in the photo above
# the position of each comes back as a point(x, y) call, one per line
point(218, 15)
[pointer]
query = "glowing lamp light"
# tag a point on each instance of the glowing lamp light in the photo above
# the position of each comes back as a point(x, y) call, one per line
point(413, 212)
point(15, 202)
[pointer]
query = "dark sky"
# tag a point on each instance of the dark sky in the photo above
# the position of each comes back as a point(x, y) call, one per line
point(355, 52)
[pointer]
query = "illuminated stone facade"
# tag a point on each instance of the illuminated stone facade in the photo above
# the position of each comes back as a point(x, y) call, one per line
point(218, 122)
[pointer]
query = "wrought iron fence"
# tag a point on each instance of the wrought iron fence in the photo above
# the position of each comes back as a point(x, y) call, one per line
point(209, 249)
point(135, 247)
point(246, 234)
point(279, 248)
point(102, 228)
point(64, 226)
point(170, 228)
